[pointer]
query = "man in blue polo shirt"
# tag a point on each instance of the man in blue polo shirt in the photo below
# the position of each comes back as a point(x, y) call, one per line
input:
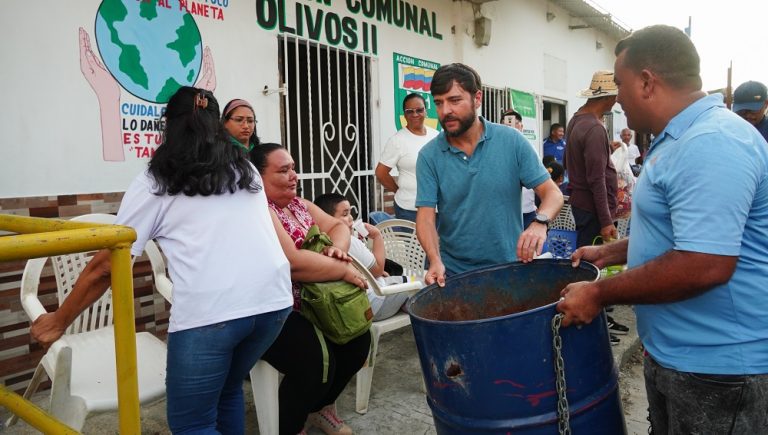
point(472, 172)
point(698, 267)
point(554, 145)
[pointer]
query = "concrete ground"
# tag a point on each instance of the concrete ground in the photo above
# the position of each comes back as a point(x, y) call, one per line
point(397, 404)
point(633, 396)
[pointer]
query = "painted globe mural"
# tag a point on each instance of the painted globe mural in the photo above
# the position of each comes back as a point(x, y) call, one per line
point(152, 48)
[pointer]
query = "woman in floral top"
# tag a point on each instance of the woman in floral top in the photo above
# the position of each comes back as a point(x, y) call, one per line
point(297, 352)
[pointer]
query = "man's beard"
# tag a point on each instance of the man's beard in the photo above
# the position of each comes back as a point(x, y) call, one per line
point(464, 125)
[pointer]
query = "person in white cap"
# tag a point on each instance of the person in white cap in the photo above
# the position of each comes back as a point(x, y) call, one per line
point(750, 100)
point(591, 175)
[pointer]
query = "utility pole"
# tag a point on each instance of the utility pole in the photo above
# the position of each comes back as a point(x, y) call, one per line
point(729, 87)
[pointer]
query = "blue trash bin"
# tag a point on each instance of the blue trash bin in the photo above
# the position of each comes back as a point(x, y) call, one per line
point(485, 347)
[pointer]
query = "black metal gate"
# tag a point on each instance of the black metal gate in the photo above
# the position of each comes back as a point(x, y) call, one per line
point(327, 120)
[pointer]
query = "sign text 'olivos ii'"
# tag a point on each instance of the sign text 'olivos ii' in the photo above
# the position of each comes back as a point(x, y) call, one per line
point(354, 33)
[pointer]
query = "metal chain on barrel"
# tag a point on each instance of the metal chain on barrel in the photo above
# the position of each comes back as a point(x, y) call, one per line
point(563, 414)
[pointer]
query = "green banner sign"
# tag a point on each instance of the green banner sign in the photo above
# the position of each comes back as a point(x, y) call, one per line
point(524, 103)
point(413, 75)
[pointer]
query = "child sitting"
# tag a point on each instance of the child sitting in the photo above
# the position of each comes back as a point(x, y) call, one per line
point(557, 173)
point(383, 307)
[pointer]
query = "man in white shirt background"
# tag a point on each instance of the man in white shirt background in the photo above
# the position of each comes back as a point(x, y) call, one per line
point(633, 152)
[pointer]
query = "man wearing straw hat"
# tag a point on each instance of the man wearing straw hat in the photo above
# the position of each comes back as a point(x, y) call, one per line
point(592, 177)
point(698, 268)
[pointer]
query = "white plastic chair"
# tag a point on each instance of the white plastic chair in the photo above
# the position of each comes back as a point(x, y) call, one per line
point(265, 382)
point(81, 364)
point(564, 219)
point(364, 377)
point(402, 246)
point(622, 227)
point(265, 379)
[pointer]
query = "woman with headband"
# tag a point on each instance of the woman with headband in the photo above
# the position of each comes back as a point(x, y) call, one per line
point(239, 120)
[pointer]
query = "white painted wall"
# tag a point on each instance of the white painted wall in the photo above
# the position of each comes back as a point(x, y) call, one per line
point(51, 141)
point(521, 39)
point(51, 133)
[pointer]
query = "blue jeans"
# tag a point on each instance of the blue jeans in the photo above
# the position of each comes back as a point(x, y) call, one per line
point(410, 215)
point(401, 213)
point(688, 403)
point(205, 371)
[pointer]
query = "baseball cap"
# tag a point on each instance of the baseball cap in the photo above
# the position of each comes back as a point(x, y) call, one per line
point(749, 96)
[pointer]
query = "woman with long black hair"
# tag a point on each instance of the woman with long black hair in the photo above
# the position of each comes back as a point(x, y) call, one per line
point(204, 203)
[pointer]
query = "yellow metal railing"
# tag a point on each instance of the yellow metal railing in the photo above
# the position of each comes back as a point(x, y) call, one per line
point(30, 413)
point(38, 237)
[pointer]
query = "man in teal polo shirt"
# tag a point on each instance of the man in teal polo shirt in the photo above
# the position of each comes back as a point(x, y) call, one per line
point(472, 172)
point(698, 267)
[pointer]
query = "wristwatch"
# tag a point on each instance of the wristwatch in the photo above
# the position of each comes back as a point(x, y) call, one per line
point(542, 219)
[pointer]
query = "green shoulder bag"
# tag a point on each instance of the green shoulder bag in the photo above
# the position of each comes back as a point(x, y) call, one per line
point(339, 309)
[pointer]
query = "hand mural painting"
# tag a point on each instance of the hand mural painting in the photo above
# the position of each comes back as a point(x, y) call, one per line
point(108, 93)
point(150, 50)
point(207, 78)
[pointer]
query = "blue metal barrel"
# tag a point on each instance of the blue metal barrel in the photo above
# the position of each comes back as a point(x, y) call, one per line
point(485, 345)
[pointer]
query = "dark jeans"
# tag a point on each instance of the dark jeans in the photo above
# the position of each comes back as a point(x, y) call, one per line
point(297, 354)
point(587, 227)
point(410, 215)
point(693, 403)
point(401, 213)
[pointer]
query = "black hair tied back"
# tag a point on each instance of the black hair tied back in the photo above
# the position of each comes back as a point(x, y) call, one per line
point(196, 156)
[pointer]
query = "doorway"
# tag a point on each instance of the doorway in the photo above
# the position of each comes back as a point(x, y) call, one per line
point(553, 112)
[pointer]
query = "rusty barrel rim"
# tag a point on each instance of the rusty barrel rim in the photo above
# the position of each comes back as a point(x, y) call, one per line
point(583, 265)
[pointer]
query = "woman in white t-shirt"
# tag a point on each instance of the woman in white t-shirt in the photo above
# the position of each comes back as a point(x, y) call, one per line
point(401, 152)
point(204, 203)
